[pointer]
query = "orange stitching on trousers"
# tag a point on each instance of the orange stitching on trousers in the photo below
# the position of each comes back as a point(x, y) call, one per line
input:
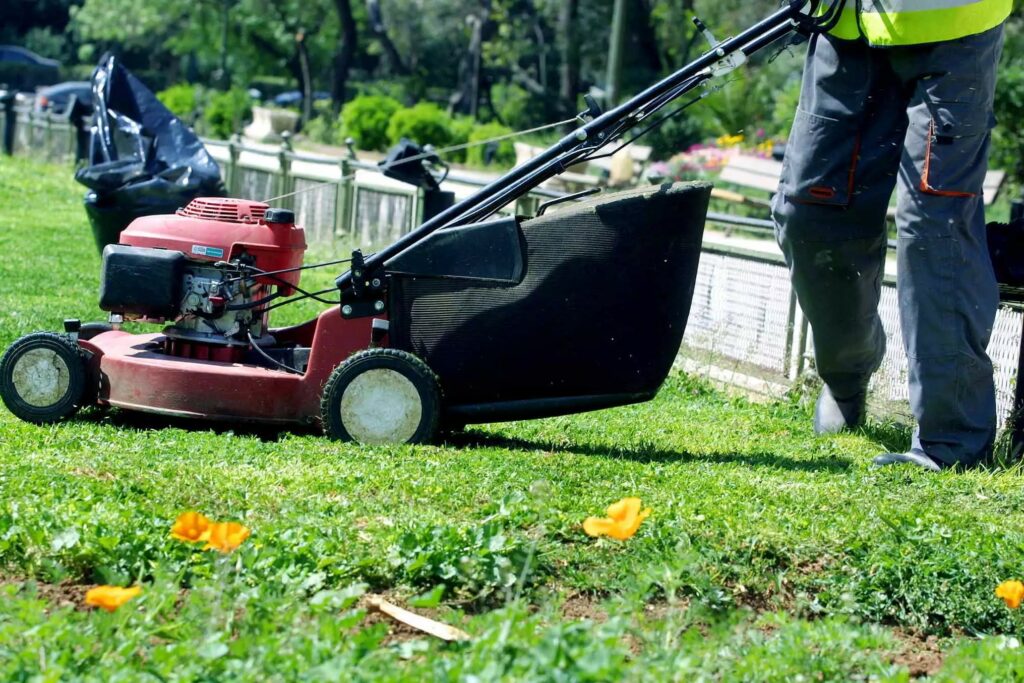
point(925, 185)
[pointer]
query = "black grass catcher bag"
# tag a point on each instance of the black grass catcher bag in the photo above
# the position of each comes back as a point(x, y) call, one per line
point(143, 160)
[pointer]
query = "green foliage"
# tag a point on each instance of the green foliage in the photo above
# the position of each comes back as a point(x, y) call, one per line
point(324, 127)
point(480, 564)
point(516, 106)
point(504, 152)
point(425, 124)
point(366, 120)
point(226, 113)
point(181, 99)
point(675, 135)
point(784, 109)
point(991, 658)
point(46, 43)
point(1008, 136)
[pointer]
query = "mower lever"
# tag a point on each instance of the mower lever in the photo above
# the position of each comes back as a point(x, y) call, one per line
point(592, 111)
point(727, 62)
point(358, 273)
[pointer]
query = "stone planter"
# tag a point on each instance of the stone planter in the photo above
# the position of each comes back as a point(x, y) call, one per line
point(268, 124)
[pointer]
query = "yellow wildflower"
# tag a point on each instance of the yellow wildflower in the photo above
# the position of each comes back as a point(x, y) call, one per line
point(110, 598)
point(1012, 593)
point(225, 536)
point(190, 527)
point(624, 518)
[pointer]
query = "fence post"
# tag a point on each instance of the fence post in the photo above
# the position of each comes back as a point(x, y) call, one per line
point(7, 101)
point(231, 175)
point(416, 211)
point(343, 208)
point(286, 183)
point(70, 140)
point(47, 136)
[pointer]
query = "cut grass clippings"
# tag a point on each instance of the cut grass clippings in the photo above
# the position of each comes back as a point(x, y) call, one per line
point(769, 553)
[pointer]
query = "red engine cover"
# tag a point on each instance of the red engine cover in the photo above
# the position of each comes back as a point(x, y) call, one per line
point(221, 229)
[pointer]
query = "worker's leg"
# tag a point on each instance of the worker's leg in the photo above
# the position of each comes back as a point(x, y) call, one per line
point(839, 172)
point(947, 289)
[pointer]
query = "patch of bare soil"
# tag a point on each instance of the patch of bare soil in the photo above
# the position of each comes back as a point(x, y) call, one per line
point(580, 606)
point(920, 654)
point(63, 594)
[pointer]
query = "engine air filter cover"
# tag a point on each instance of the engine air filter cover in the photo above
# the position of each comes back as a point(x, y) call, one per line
point(140, 281)
point(225, 210)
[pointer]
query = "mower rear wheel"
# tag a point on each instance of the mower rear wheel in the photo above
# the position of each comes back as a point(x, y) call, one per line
point(381, 396)
point(43, 377)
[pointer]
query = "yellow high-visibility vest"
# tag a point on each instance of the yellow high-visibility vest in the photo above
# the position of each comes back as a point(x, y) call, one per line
point(912, 22)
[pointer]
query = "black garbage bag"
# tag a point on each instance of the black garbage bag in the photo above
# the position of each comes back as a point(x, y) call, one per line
point(407, 162)
point(143, 160)
point(1005, 246)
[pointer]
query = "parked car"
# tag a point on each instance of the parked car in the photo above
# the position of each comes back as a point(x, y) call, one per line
point(56, 98)
point(293, 98)
point(22, 69)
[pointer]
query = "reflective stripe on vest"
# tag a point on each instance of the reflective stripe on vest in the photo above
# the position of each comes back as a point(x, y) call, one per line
point(912, 22)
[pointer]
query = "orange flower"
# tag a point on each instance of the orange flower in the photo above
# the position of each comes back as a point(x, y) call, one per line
point(623, 520)
point(1012, 593)
point(110, 597)
point(225, 536)
point(190, 527)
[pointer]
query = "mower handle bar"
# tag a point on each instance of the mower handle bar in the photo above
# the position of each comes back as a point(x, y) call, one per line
point(596, 133)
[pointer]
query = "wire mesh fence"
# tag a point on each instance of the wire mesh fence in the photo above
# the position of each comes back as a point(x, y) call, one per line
point(741, 311)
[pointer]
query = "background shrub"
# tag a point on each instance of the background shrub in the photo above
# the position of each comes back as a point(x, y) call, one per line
point(365, 119)
point(1008, 139)
point(461, 129)
point(516, 107)
point(424, 124)
point(181, 99)
point(504, 154)
point(227, 112)
point(324, 127)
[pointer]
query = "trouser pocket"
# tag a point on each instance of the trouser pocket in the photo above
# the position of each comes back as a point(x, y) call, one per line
point(821, 160)
point(955, 148)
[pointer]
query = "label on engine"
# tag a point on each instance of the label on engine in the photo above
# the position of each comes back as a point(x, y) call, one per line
point(212, 252)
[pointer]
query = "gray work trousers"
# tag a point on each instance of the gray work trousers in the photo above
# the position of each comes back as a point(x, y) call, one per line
point(917, 118)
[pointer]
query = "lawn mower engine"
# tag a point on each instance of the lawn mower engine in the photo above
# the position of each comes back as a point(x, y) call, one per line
point(203, 270)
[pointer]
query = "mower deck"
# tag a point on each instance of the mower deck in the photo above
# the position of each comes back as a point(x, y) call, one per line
point(134, 374)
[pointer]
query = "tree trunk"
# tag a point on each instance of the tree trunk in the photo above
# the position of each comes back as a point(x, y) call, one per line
point(345, 52)
point(223, 75)
point(467, 98)
point(394, 60)
point(569, 70)
point(307, 87)
point(646, 41)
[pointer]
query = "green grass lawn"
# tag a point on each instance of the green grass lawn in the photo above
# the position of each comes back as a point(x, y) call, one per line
point(770, 553)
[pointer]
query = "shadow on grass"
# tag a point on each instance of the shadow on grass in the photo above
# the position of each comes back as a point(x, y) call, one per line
point(893, 437)
point(132, 420)
point(475, 439)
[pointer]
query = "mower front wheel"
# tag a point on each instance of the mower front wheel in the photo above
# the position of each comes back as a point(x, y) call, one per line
point(381, 396)
point(43, 377)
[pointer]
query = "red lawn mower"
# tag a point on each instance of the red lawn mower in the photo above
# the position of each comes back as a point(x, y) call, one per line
point(466, 319)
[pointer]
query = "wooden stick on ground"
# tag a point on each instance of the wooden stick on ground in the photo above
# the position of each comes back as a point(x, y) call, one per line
point(416, 621)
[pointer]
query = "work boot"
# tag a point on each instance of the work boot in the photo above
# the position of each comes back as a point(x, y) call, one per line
point(832, 415)
point(911, 457)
